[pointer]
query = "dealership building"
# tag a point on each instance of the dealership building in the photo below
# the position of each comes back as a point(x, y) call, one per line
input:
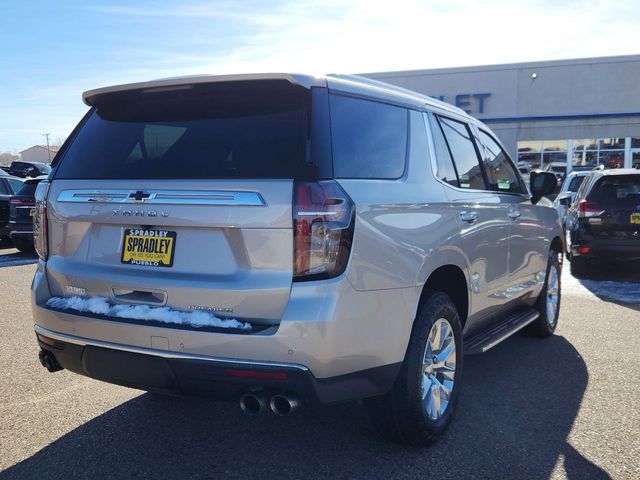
point(586, 110)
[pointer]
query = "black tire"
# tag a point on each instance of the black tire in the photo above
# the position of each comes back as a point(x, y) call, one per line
point(544, 326)
point(24, 245)
point(579, 266)
point(400, 415)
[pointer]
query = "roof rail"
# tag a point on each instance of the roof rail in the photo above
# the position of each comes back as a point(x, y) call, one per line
point(394, 88)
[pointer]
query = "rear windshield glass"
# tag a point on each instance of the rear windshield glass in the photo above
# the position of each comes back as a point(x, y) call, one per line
point(28, 189)
point(622, 189)
point(251, 129)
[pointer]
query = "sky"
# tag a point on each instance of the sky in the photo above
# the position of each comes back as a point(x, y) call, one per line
point(50, 52)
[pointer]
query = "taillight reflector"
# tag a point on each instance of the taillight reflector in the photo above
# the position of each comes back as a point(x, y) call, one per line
point(257, 374)
point(40, 233)
point(22, 202)
point(323, 219)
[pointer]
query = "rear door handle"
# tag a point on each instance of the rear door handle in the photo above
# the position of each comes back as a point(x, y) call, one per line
point(514, 214)
point(468, 216)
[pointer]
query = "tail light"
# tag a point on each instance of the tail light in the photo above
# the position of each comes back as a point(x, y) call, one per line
point(323, 219)
point(21, 202)
point(40, 233)
point(588, 209)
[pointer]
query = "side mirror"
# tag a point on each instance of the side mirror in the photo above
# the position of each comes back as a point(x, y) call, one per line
point(542, 183)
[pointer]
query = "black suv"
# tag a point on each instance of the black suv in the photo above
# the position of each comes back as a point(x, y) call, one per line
point(604, 219)
point(21, 209)
point(8, 187)
point(29, 169)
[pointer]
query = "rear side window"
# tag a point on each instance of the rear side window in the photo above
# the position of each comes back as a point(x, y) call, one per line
point(4, 188)
point(575, 183)
point(446, 169)
point(502, 175)
point(463, 151)
point(369, 139)
point(250, 129)
point(584, 186)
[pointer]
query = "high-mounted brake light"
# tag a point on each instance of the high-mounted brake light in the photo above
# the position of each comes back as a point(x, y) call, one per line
point(588, 209)
point(40, 231)
point(323, 221)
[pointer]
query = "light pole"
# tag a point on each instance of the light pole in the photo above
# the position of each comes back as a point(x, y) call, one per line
point(46, 135)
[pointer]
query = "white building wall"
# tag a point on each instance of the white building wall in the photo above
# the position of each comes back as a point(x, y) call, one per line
point(36, 154)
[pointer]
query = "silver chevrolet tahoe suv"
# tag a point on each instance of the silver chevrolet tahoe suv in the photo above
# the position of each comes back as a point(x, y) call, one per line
point(280, 240)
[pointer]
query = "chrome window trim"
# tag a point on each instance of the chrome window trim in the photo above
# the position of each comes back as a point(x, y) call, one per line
point(63, 337)
point(164, 197)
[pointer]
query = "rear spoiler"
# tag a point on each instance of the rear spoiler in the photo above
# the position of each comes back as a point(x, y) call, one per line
point(90, 97)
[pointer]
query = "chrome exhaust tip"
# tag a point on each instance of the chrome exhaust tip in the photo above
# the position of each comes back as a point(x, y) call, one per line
point(253, 403)
point(283, 404)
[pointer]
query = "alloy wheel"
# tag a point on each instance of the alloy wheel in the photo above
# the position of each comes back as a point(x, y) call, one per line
point(438, 369)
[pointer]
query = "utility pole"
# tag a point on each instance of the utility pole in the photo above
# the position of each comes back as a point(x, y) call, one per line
point(48, 150)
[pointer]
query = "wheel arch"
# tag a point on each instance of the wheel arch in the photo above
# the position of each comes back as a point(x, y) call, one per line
point(451, 280)
point(557, 245)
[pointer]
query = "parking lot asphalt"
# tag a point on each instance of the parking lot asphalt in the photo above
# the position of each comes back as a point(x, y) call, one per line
point(564, 407)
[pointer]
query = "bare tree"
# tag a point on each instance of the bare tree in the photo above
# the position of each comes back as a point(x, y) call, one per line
point(7, 157)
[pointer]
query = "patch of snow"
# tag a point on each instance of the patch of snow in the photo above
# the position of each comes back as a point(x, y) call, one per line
point(624, 292)
point(101, 306)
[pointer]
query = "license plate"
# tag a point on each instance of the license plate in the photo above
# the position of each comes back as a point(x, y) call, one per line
point(151, 248)
point(635, 218)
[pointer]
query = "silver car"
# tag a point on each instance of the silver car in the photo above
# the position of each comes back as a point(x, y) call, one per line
point(567, 194)
point(280, 240)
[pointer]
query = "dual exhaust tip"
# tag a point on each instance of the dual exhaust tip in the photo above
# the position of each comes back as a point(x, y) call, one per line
point(281, 404)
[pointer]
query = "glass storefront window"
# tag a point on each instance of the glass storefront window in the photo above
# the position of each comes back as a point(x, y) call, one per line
point(584, 159)
point(612, 158)
point(554, 152)
point(611, 143)
point(529, 153)
point(588, 153)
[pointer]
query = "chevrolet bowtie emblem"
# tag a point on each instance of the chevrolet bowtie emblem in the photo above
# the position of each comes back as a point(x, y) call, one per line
point(139, 196)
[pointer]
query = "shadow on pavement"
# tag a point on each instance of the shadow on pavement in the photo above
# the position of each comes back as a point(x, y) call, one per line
point(616, 282)
point(10, 257)
point(517, 408)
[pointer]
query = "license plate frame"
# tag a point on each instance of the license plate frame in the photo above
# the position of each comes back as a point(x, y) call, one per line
point(148, 247)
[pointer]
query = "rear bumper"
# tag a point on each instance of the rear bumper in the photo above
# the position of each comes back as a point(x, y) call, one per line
point(607, 249)
point(223, 379)
point(343, 338)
